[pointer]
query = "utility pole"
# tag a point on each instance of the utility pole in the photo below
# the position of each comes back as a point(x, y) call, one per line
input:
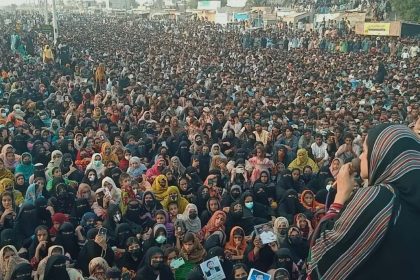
point(55, 22)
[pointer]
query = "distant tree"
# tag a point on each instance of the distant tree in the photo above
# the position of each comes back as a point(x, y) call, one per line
point(407, 9)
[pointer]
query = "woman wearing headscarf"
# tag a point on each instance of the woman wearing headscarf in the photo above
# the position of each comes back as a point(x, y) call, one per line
point(43, 214)
point(52, 250)
point(183, 153)
point(97, 269)
point(5, 172)
point(302, 160)
point(177, 168)
point(109, 184)
point(67, 239)
point(252, 208)
point(107, 153)
point(132, 256)
point(233, 195)
point(160, 187)
point(365, 223)
point(150, 204)
point(215, 151)
point(9, 259)
point(307, 199)
point(289, 206)
point(213, 204)
point(283, 261)
point(153, 267)
point(216, 223)
point(191, 219)
point(20, 184)
point(280, 226)
point(22, 271)
point(97, 164)
point(136, 169)
point(26, 221)
point(236, 246)
point(56, 268)
point(25, 166)
point(8, 210)
point(9, 157)
point(159, 237)
point(304, 225)
point(92, 179)
point(173, 195)
point(69, 170)
point(56, 158)
point(96, 246)
point(85, 191)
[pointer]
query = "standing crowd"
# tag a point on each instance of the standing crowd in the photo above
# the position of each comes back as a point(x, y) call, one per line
point(132, 143)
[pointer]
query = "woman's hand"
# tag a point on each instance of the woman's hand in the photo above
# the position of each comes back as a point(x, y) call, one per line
point(345, 184)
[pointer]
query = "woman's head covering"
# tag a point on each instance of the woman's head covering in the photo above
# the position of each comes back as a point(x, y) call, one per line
point(394, 159)
point(211, 225)
point(193, 225)
point(123, 232)
point(27, 219)
point(284, 260)
point(56, 268)
point(231, 244)
point(159, 191)
point(95, 262)
point(277, 223)
point(22, 271)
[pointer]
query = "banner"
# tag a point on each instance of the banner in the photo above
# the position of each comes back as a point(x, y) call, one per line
point(376, 28)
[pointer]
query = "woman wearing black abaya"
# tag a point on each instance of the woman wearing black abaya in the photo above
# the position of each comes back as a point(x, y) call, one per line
point(26, 221)
point(22, 271)
point(153, 267)
point(132, 255)
point(289, 206)
point(68, 240)
point(56, 268)
point(183, 153)
point(44, 216)
point(122, 233)
point(363, 225)
point(96, 246)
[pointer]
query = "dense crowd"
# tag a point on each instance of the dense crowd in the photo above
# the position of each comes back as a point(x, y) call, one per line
point(133, 143)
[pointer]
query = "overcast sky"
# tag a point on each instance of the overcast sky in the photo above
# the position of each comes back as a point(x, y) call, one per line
point(8, 2)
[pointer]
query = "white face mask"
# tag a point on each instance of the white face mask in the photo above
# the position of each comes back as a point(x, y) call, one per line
point(3, 115)
point(91, 178)
point(127, 157)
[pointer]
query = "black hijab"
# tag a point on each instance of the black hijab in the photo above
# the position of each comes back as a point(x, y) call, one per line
point(22, 271)
point(43, 214)
point(67, 239)
point(27, 220)
point(147, 271)
point(56, 268)
point(122, 233)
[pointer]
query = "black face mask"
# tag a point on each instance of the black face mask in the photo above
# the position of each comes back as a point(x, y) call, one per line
point(192, 216)
point(199, 142)
point(295, 240)
point(236, 195)
point(283, 231)
point(135, 253)
point(237, 214)
point(205, 196)
point(150, 203)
